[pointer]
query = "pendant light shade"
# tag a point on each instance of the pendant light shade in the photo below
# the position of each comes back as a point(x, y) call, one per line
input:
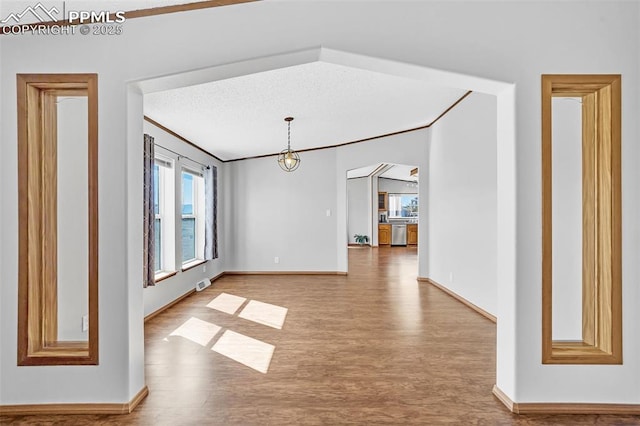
point(288, 159)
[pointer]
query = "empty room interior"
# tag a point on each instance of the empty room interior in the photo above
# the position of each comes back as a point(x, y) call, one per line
point(278, 212)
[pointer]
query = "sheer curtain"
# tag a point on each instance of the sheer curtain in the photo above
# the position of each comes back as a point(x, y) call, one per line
point(211, 213)
point(149, 214)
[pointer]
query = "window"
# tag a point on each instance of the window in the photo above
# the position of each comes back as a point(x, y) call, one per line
point(158, 219)
point(163, 205)
point(403, 205)
point(192, 216)
point(183, 215)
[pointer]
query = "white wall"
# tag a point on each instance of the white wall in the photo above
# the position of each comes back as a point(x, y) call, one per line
point(73, 218)
point(359, 212)
point(2, 178)
point(273, 213)
point(462, 203)
point(170, 289)
point(511, 42)
point(566, 202)
point(373, 207)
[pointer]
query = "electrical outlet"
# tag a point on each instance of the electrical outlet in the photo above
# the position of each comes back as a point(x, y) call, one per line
point(450, 277)
point(204, 268)
point(328, 212)
point(276, 259)
point(85, 322)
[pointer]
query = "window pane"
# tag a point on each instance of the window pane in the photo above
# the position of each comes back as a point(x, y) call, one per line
point(187, 193)
point(409, 206)
point(188, 239)
point(158, 246)
point(403, 205)
point(156, 189)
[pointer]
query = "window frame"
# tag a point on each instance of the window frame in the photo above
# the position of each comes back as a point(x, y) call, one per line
point(198, 180)
point(37, 334)
point(159, 215)
point(601, 341)
point(166, 165)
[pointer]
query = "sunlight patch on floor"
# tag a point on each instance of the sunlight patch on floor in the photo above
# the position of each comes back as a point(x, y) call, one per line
point(264, 313)
point(196, 330)
point(227, 303)
point(251, 352)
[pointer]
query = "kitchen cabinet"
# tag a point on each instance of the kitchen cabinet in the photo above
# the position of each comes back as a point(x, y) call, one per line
point(412, 234)
point(384, 234)
point(382, 201)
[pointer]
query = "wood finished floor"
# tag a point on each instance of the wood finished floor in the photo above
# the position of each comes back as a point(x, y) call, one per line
point(373, 347)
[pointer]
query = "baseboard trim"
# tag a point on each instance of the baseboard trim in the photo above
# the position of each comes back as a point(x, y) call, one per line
point(84, 408)
point(217, 277)
point(221, 274)
point(140, 396)
point(565, 407)
point(168, 305)
point(285, 273)
point(178, 300)
point(502, 397)
point(460, 299)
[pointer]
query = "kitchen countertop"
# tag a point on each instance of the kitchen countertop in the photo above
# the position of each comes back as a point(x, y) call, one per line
point(398, 222)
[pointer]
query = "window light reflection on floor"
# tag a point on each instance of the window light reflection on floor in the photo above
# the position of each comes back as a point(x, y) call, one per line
point(251, 352)
point(197, 330)
point(264, 313)
point(227, 303)
point(245, 350)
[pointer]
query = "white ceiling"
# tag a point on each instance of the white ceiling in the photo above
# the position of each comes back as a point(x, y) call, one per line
point(393, 171)
point(332, 104)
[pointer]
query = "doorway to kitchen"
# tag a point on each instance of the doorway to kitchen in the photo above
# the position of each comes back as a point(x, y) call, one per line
point(383, 206)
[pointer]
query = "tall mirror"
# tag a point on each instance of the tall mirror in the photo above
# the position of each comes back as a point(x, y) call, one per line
point(58, 224)
point(581, 220)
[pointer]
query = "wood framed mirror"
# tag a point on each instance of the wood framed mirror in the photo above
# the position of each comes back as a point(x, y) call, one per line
point(58, 219)
point(581, 219)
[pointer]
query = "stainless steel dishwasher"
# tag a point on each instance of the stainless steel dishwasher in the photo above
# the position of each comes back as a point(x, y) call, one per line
point(399, 235)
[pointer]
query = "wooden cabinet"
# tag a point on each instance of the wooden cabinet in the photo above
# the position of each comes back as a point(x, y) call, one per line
point(382, 201)
point(412, 234)
point(384, 234)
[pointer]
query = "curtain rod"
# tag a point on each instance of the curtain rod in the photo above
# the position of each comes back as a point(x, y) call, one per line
point(184, 156)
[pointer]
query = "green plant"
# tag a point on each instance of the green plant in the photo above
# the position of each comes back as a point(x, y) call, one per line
point(361, 239)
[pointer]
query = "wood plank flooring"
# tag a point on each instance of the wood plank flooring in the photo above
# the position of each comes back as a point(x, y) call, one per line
point(373, 347)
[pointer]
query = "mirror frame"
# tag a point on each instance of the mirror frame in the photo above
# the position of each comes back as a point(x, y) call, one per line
point(37, 227)
point(601, 302)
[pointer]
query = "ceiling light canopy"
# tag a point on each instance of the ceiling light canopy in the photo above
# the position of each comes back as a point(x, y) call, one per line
point(288, 159)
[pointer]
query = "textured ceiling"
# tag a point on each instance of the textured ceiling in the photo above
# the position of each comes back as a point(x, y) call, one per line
point(332, 104)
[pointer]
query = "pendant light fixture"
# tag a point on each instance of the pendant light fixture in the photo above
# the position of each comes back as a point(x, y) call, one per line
point(288, 159)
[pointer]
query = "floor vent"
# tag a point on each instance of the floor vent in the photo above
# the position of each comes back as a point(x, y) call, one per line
point(201, 285)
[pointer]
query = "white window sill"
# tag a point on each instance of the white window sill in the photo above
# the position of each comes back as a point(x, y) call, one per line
point(192, 264)
point(163, 275)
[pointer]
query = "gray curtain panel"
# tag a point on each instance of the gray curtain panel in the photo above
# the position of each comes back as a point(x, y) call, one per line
point(211, 213)
point(149, 214)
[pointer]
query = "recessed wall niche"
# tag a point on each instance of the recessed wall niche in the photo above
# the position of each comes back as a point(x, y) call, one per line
point(581, 219)
point(58, 219)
